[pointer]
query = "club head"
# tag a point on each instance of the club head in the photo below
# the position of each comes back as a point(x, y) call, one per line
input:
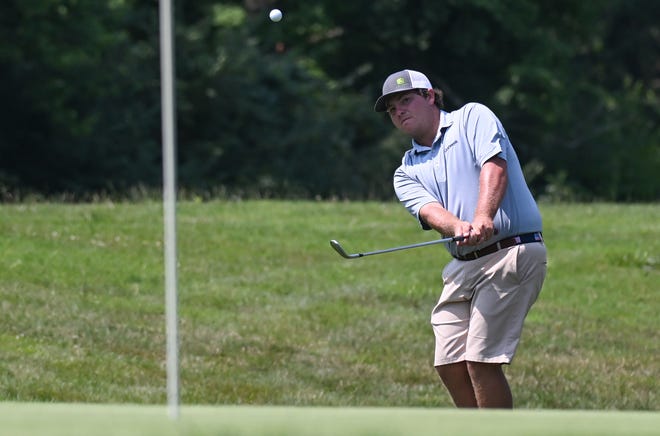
point(334, 244)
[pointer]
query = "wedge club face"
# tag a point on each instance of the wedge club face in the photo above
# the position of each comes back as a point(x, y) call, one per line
point(341, 251)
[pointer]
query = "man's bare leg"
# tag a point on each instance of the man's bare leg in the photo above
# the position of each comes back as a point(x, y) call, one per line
point(456, 379)
point(490, 386)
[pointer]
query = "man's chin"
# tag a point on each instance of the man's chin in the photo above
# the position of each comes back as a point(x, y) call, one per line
point(407, 126)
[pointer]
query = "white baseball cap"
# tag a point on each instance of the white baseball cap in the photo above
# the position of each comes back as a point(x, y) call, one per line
point(401, 81)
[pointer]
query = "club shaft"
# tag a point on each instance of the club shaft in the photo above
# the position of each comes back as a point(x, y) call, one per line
point(406, 247)
point(338, 248)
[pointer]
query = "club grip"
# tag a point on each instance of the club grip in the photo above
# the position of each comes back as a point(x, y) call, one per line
point(460, 238)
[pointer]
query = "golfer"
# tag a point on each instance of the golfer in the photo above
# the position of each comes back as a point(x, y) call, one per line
point(462, 178)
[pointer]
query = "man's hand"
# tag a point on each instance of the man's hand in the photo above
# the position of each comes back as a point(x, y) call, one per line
point(482, 230)
point(464, 229)
point(475, 232)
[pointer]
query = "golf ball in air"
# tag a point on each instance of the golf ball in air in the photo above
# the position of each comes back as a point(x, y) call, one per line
point(275, 15)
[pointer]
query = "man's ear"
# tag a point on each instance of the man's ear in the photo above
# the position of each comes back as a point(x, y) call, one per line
point(430, 96)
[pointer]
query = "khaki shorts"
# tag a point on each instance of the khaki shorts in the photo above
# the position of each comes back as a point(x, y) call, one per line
point(484, 302)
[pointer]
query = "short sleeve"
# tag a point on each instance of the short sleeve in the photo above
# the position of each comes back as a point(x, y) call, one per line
point(485, 133)
point(412, 194)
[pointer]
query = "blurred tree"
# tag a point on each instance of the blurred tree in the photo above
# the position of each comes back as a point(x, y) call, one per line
point(259, 120)
point(80, 88)
point(284, 109)
point(574, 82)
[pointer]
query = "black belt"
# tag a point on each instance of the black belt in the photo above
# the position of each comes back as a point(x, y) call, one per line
point(504, 243)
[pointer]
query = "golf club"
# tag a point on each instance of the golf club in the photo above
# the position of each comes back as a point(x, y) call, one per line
point(338, 248)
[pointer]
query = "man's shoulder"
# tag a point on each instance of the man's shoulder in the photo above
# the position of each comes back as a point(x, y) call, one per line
point(413, 156)
point(408, 157)
point(470, 107)
point(470, 114)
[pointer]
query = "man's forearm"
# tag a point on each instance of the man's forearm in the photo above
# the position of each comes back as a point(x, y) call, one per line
point(492, 186)
point(439, 218)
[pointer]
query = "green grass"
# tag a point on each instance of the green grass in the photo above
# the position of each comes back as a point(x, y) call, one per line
point(127, 420)
point(271, 315)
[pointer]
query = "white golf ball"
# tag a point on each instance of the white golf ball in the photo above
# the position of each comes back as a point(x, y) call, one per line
point(275, 15)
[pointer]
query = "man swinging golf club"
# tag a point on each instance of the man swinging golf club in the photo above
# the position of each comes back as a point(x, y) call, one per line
point(462, 178)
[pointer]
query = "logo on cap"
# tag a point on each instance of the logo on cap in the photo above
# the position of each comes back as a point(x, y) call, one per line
point(400, 81)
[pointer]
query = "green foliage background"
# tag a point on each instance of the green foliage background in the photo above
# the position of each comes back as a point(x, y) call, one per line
point(284, 109)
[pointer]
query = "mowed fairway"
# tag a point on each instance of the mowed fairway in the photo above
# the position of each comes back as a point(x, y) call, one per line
point(127, 420)
point(270, 316)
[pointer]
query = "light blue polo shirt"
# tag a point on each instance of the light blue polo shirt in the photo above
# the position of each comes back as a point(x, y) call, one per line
point(448, 172)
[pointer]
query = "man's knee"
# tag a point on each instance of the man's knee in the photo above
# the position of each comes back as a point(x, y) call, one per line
point(452, 371)
point(456, 379)
point(481, 369)
point(490, 385)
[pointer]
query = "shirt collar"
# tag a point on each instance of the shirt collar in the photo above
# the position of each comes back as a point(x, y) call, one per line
point(446, 120)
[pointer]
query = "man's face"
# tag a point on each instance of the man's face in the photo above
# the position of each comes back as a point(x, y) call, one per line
point(411, 112)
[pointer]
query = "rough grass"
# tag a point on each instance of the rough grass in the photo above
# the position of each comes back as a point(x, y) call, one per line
point(270, 314)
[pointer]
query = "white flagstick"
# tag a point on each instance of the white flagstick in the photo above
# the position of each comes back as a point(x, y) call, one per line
point(169, 204)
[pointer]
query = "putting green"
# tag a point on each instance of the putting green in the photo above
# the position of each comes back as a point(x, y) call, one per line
point(55, 419)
